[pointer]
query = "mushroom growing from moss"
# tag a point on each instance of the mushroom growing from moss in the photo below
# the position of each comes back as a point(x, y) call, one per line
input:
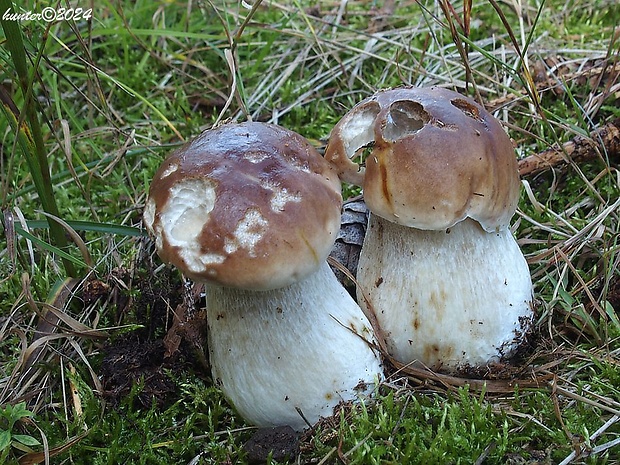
point(252, 210)
point(439, 266)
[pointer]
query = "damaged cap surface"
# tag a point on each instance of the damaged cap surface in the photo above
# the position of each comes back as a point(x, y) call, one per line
point(433, 158)
point(248, 205)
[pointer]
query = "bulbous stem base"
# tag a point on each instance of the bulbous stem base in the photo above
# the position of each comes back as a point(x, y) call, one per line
point(302, 347)
point(451, 299)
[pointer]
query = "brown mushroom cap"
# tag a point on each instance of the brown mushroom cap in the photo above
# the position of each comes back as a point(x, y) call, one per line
point(436, 157)
point(247, 205)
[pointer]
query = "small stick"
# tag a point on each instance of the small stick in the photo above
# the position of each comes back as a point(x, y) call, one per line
point(596, 449)
point(605, 140)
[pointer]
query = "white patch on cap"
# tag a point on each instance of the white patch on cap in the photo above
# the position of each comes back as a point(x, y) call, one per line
point(159, 241)
point(357, 130)
point(249, 231)
point(230, 246)
point(155, 229)
point(149, 214)
point(168, 171)
point(256, 157)
point(300, 165)
point(212, 259)
point(185, 214)
point(281, 196)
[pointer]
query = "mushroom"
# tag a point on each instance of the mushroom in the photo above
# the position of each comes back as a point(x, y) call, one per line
point(252, 210)
point(439, 266)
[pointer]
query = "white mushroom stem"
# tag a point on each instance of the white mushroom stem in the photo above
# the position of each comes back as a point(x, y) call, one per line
point(302, 347)
point(449, 299)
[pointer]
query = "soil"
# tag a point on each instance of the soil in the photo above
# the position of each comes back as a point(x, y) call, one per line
point(128, 361)
point(143, 355)
point(281, 442)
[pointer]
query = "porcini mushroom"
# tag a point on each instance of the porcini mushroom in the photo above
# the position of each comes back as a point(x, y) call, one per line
point(252, 211)
point(439, 266)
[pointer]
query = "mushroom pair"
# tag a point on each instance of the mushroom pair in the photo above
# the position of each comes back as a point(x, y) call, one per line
point(439, 266)
point(252, 210)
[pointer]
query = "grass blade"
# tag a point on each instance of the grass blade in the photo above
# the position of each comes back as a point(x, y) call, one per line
point(30, 134)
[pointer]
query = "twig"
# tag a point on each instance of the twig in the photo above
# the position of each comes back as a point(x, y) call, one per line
point(485, 453)
point(604, 447)
point(597, 449)
point(604, 141)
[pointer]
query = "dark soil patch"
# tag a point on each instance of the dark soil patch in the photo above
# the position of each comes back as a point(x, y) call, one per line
point(281, 442)
point(128, 361)
point(143, 356)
